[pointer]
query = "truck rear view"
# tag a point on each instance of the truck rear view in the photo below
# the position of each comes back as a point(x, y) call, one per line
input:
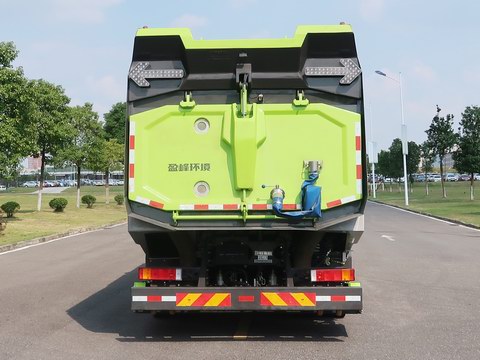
point(246, 171)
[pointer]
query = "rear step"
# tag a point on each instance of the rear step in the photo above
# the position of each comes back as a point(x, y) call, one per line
point(343, 298)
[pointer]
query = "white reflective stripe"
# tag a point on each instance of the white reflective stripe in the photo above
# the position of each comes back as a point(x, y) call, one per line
point(178, 274)
point(323, 298)
point(313, 275)
point(269, 206)
point(139, 298)
point(359, 186)
point(215, 207)
point(358, 129)
point(353, 298)
point(131, 156)
point(132, 127)
point(186, 207)
point(358, 155)
point(169, 298)
point(250, 206)
point(142, 200)
point(131, 185)
point(348, 199)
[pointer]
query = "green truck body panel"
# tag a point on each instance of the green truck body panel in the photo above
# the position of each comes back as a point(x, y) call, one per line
point(297, 40)
point(268, 147)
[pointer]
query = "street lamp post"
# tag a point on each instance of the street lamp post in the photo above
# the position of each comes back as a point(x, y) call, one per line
point(404, 131)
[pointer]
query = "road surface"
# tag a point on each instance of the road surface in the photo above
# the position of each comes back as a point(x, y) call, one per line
point(70, 299)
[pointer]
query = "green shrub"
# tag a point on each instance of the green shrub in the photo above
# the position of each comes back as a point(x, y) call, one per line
point(10, 208)
point(119, 199)
point(58, 204)
point(89, 200)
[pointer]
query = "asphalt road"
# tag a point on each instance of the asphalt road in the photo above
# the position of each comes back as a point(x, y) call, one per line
point(70, 299)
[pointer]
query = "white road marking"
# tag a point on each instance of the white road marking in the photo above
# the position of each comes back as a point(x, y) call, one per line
point(57, 239)
point(426, 216)
point(388, 237)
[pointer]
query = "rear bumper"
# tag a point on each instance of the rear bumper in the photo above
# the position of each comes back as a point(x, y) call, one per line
point(346, 299)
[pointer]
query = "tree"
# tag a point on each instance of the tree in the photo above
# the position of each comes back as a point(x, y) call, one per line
point(442, 138)
point(86, 134)
point(396, 158)
point(428, 157)
point(107, 157)
point(49, 127)
point(467, 155)
point(413, 159)
point(115, 122)
point(15, 107)
point(384, 165)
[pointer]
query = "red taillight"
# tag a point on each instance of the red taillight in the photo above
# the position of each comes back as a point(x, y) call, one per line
point(159, 274)
point(333, 275)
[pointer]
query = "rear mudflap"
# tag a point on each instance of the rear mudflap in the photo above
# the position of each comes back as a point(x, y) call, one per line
point(346, 299)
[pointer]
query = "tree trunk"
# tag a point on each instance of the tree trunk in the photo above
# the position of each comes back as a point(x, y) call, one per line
point(426, 184)
point(444, 191)
point(40, 188)
point(107, 187)
point(472, 184)
point(79, 170)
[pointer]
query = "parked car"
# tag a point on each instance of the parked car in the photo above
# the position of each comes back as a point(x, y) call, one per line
point(476, 177)
point(451, 177)
point(70, 183)
point(435, 178)
point(98, 182)
point(49, 183)
point(30, 184)
point(464, 177)
point(3, 188)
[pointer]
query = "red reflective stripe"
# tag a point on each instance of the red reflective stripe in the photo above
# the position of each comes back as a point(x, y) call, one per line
point(131, 171)
point(246, 298)
point(227, 301)
point(156, 204)
point(289, 299)
point(312, 297)
point(202, 299)
point(131, 143)
point(359, 171)
point(338, 298)
point(264, 300)
point(358, 142)
point(289, 206)
point(334, 203)
point(230, 206)
point(259, 207)
point(179, 297)
point(154, 298)
point(200, 207)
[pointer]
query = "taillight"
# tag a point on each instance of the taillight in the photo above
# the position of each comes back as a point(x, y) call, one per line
point(159, 274)
point(332, 275)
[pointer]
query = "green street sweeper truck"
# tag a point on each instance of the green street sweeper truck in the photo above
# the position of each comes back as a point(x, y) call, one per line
point(246, 175)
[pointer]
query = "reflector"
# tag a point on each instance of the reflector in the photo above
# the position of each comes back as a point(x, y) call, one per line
point(332, 275)
point(159, 274)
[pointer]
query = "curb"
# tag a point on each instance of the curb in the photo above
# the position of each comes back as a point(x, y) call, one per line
point(428, 214)
point(43, 239)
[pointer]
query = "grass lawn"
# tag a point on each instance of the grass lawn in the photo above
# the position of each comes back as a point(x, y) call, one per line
point(29, 224)
point(456, 206)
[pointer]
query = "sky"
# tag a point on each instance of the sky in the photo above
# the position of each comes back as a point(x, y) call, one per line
point(86, 47)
